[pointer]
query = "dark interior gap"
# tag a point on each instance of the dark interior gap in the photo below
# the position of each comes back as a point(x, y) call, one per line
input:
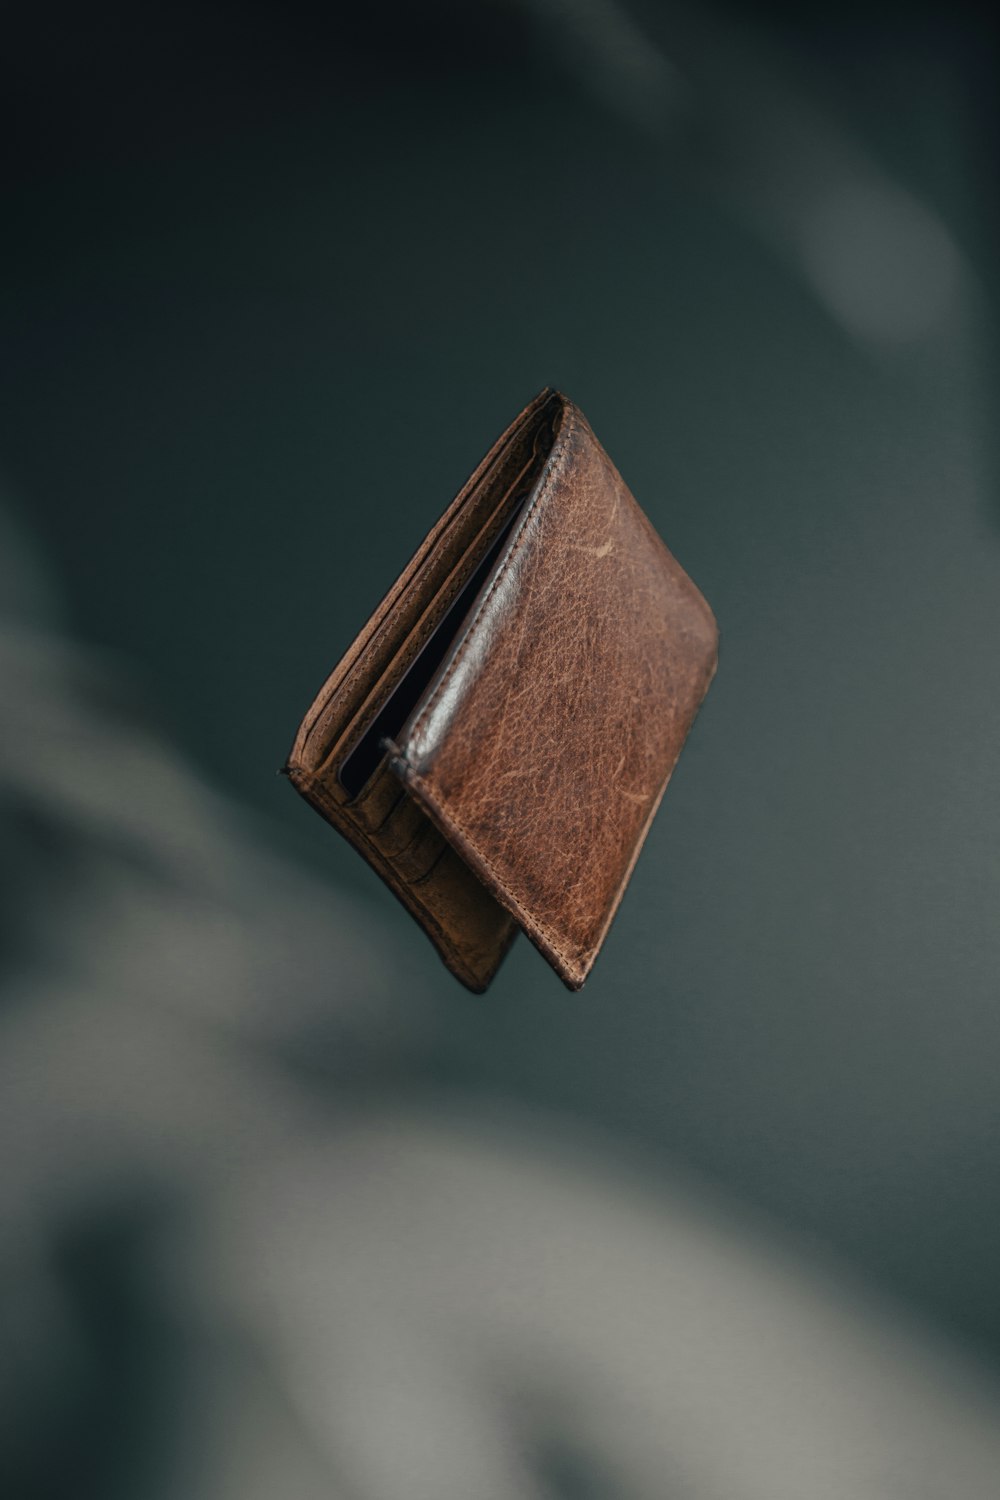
point(361, 762)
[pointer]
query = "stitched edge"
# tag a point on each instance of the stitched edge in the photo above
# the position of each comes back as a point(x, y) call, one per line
point(556, 463)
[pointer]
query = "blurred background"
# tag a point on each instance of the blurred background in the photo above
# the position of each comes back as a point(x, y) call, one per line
point(284, 1210)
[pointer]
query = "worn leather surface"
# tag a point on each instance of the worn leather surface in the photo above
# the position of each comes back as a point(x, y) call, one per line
point(521, 789)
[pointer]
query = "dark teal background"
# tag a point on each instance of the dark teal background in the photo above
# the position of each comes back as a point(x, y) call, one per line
point(271, 282)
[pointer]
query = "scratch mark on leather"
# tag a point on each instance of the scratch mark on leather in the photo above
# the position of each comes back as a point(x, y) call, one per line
point(604, 550)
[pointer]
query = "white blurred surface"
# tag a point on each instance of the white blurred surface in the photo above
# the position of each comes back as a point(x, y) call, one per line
point(369, 1290)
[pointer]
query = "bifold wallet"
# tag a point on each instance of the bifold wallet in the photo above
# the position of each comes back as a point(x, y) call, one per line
point(498, 738)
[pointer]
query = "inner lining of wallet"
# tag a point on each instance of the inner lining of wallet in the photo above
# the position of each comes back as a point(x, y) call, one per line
point(365, 756)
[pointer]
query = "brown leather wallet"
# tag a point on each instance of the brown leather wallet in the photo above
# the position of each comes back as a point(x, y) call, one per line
point(498, 738)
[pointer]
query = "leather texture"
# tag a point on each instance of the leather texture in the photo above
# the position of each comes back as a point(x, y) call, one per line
point(519, 791)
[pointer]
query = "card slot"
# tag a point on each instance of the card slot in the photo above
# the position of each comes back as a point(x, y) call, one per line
point(400, 828)
point(378, 799)
point(420, 855)
point(393, 810)
point(408, 839)
point(426, 880)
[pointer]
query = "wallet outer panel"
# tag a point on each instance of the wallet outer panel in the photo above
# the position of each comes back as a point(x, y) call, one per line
point(544, 747)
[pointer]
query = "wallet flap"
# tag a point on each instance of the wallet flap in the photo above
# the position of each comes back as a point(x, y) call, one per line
point(543, 747)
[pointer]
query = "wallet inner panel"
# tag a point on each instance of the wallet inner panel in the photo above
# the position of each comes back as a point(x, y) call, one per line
point(381, 656)
point(403, 685)
point(361, 762)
